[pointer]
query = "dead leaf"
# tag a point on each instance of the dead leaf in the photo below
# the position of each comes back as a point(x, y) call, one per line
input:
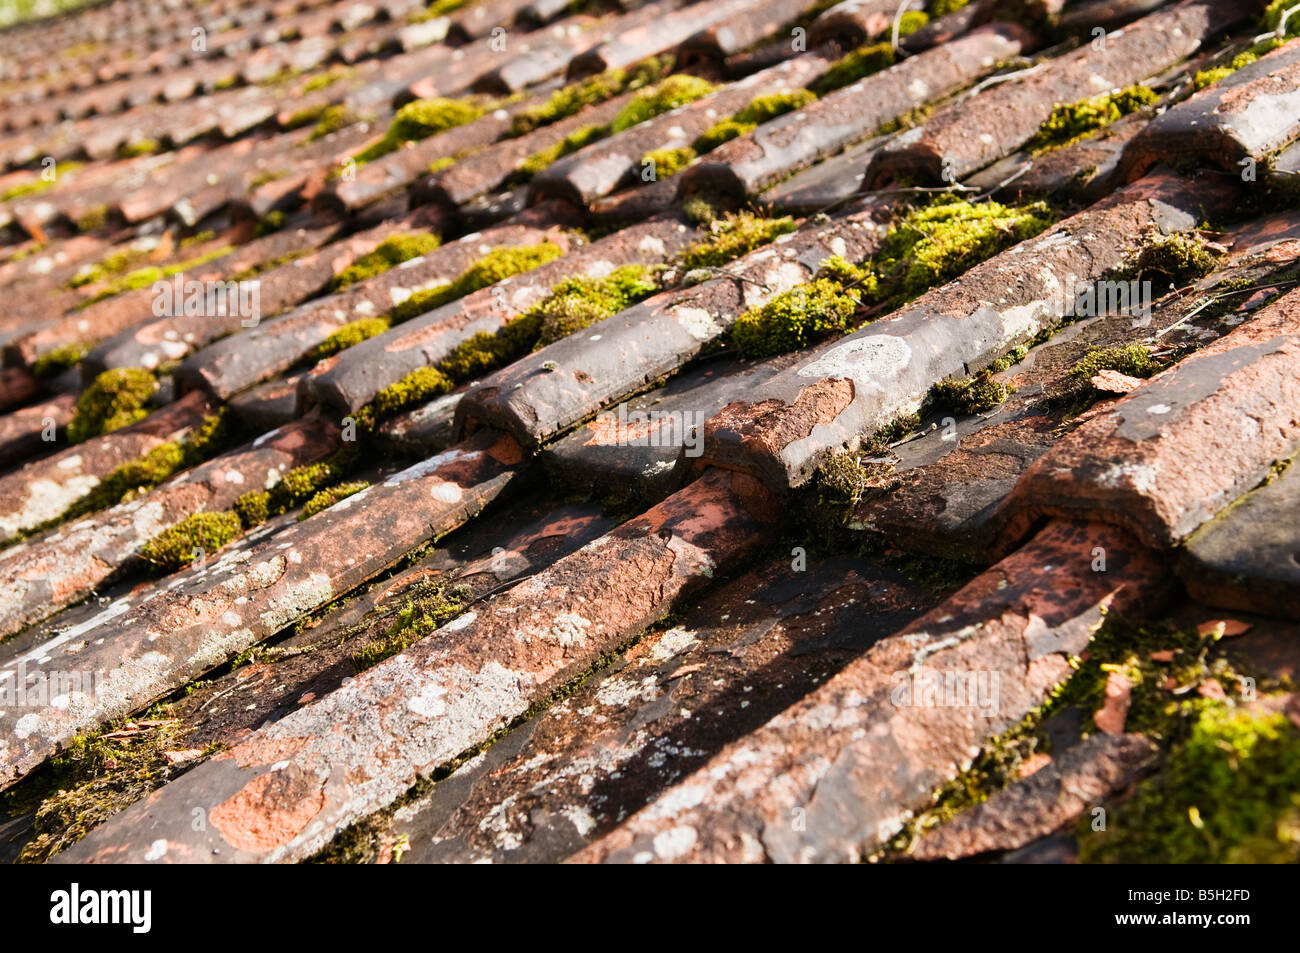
point(1283, 252)
point(183, 755)
point(1210, 688)
point(1033, 764)
point(1119, 695)
point(1113, 382)
point(1227, 628)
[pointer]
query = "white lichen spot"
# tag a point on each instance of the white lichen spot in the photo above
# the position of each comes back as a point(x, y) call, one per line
point(672, 844)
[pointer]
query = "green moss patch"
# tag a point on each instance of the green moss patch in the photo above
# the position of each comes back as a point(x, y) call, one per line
point(38, 184)
point(296, 487)
point(352, 333)
point(1212, 75)
point(934, 244)
point(927, 247)
point(96, 776)
point(137, 476)
point(578, 95)
point(420, 120)
point(663, 97)
point(1131, 359)
point(972, 395)
point(1155, 710)
point(1180, 259)
point(760, 110)
point(435, 603)
point(198, 533)
point(324, 499)
point(114, 263)
point(58, 360)
point(799, 317)
point(1228, 793)
point(858, 64)
point(332, 119)
point(846, 478)
point(418, 387)
point(139, 147)
point(1074, 121)
point(572, 305)
point(668, 162)
point(149, 274)
point(391, 252)
point(93, 219)
point(496, 265)
point(116, 398)
point(732, 236)
point(1076, 393)
point(542, 159)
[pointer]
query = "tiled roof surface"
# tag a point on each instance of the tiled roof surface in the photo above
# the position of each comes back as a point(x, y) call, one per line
point(619, 431)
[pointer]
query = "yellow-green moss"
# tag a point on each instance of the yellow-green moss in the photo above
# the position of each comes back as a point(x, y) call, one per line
point(115, 399)
point(60, 359)
point(723, 131)
point(114, 263)
point(1178, 258)
point(326, 498)
point(434, 604)
point(580, 138)
point(268, 224)
point(573, 304)
point(322, 80)
point(332, 119)
point(668, 162)
point(139, 147)
point(417, 387)
point(1131, 359)
point(439, 8)
point(420, 120)
point(136, 476)
point(306, 116)
point(146, 276)
point(1272, 17)
point(496, 265)
point(297, 486)
point(1073, 121)
point(664, 96)
point(253, 508)
point(855, 65)
point(39, 183)
point(733, 235)
point(845, 479)
point(971, 395)
point(95, 776)
point(927, 247)
point(392, 251)
point(1228, 793)
point(206, 532)
point(761, 109)
point(252, 271)
point(93, 219)
point(579, 302)
point(352, 333)
point(934, 244)
point(794, 319)
point(578, 95)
